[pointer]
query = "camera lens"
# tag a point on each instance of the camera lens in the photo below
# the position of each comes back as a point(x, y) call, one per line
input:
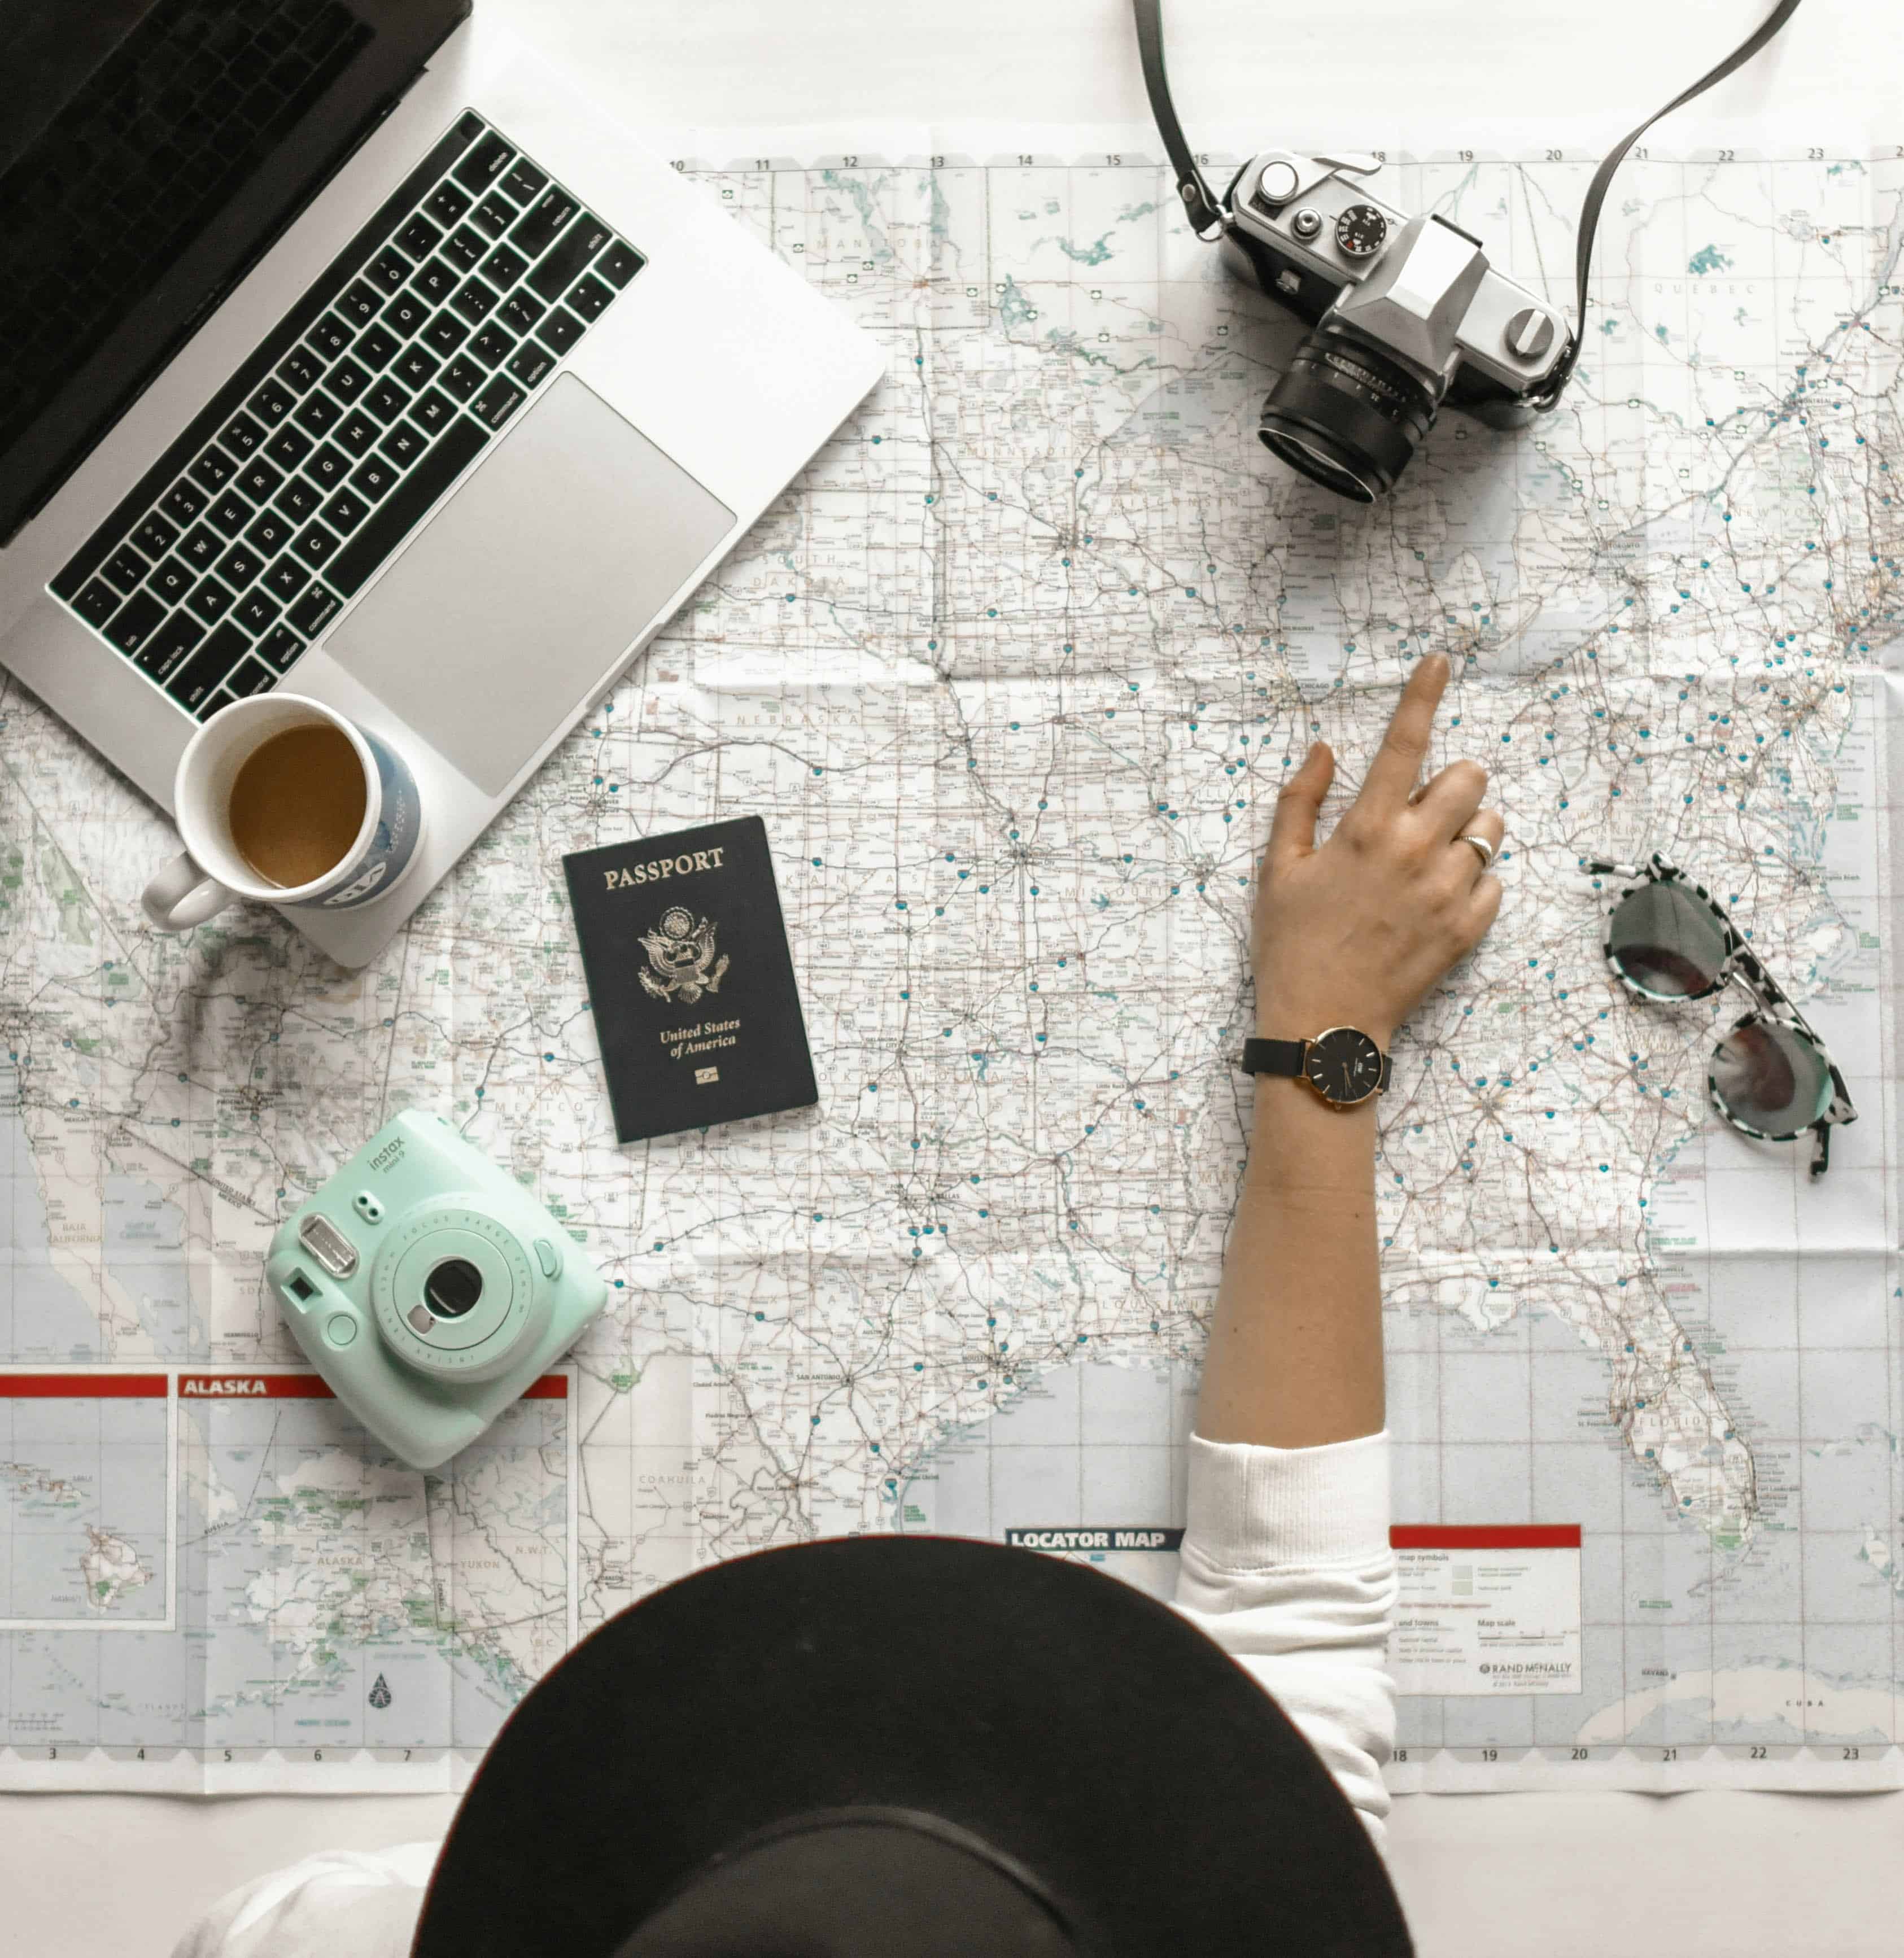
point(1347, 415)
point(452, 1288)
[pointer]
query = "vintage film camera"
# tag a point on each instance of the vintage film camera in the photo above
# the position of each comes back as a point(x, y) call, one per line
point(428, 1288)
point(1405, 312)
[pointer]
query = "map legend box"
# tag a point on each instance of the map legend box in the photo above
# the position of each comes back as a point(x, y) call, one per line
point(1486, 1609)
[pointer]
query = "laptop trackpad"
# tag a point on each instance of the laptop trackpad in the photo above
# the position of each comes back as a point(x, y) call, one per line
point(523, 591)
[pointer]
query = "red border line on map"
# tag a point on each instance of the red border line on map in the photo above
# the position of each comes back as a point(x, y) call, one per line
point(239, 1385)
point(1484, 1536)
point(82, 1386)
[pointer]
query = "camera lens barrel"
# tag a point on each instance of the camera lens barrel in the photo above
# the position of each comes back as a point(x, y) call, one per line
point(1347, 415)
point(456, 1292)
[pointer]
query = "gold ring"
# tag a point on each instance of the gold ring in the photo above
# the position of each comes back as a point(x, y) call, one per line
point(1482, 846)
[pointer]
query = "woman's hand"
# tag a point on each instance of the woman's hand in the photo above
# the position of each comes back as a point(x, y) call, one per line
point(1352, 934)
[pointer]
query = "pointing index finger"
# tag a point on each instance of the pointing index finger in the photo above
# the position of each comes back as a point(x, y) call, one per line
point(1392, 775)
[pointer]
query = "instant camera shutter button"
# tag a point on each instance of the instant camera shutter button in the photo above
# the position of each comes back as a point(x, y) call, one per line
point(339, 1328)
point(1530, 333)
point(1306, 223)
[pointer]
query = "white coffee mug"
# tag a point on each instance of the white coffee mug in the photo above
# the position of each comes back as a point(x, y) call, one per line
point(212, 873)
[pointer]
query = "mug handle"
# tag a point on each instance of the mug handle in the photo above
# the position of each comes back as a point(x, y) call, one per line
point(182, 895)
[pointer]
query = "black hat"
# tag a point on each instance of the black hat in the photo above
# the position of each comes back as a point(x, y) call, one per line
point(910, 1747)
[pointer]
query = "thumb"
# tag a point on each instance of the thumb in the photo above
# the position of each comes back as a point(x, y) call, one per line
point(1293, 833)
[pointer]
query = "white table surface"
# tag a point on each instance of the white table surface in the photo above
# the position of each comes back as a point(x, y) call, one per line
point(1485, 1876)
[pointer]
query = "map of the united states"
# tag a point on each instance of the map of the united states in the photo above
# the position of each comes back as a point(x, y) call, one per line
point(1013, 673)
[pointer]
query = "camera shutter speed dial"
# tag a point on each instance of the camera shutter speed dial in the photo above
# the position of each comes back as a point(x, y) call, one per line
point(1362, 231)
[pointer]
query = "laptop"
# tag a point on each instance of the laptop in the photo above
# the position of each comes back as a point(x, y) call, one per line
point(345, 349)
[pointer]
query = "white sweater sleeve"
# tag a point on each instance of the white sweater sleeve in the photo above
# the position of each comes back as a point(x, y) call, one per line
point(342, 1904)
point(1286, 1565)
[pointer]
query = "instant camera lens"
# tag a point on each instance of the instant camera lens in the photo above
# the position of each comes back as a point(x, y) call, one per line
point(452, 1288)
point(1347, 415)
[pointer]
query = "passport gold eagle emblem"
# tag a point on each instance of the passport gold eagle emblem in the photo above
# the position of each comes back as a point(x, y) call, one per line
point(681, 961)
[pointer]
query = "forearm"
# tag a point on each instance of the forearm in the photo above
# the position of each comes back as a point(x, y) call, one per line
point(1349, 935)
point(1295, 1350)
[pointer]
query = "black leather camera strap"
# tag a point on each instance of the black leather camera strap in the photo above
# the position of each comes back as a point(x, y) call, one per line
point(1209, 217)
point(1603, 178)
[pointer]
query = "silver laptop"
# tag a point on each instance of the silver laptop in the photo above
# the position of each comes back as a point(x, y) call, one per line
point(493, 403)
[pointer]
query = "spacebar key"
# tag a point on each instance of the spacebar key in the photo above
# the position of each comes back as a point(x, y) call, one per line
point(406, 506)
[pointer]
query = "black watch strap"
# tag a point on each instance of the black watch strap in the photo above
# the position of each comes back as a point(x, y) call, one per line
point(1285, 1058)
point(1268, 1056)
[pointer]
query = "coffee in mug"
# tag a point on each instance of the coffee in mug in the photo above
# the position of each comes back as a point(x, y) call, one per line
point(297, 804)
point(285, 800)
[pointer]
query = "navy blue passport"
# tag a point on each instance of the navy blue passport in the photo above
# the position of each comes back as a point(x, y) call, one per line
point(690, 979)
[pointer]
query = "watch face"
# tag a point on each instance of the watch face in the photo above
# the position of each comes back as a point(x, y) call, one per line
point(1344, 1066)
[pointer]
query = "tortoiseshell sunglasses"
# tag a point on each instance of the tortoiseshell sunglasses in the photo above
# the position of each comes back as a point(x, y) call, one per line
point(1669, 939)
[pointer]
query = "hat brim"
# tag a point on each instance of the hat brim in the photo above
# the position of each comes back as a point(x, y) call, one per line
point(1080, 1727)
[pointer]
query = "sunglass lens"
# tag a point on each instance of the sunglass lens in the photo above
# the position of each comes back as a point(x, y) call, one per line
point(1666, 941)
point(1771, 1078)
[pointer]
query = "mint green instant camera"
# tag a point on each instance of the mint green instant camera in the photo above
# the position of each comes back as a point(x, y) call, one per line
point(428, 1288)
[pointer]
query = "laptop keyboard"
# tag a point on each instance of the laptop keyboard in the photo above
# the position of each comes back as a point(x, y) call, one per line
point(139, 161)
point(342, 430)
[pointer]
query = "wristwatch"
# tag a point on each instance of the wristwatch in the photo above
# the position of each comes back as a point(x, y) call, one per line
point(1342, 1065)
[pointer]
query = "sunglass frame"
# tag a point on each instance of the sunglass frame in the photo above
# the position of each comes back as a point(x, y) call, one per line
point(1771, 1007)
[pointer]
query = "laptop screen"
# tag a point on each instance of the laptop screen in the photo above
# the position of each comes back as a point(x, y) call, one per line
point(149, 153)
